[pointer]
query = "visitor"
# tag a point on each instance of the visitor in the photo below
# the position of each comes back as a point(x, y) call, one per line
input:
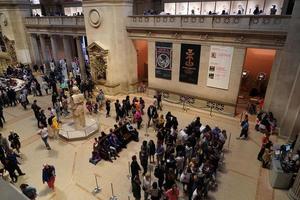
point(136, 187)
point(48, 174)
point(44, 135)
point(23, 100)
point(265, 141)
point(151, 112)
point(36, 110)
point(14, 141)
point(146, 186)
point(155, 193)
point(28, 191)
point(4, 143)
point(117, 109)
point(151, 148)
point(173, 193)
point(273, 10)
point(144, 154)
point(100, 98)
point(138, 118)
point(55, 127)
point(159, 101)
point(107, 107)
point(42, 119)
point(256, 10)
point(134, 167)
point(11, 156)
point(244, 130)
point(45, 86)
point(266, 157)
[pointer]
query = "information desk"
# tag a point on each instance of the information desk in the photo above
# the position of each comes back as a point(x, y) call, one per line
point(278, 178)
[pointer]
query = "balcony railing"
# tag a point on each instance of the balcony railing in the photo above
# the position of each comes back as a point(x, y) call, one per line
point(55, 21)
point(240, 23)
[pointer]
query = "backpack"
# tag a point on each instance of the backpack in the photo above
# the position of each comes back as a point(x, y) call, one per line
point(50, 120)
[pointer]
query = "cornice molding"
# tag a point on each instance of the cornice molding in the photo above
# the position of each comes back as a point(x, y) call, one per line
point(85, 2)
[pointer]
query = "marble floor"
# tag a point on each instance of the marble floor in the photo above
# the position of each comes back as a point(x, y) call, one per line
point(242, 179)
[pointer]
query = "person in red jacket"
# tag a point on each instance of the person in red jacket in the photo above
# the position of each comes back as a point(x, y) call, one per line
point(173, 193)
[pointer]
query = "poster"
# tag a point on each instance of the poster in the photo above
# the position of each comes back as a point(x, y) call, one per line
point(220, 59)
point(189, 63)
point(163, 60)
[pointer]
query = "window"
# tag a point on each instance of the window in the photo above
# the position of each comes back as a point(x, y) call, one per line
point(269, 4)
point(170, 8)
point(195, 7)
point(72, 11)
point(35, 1)
point(222, 6)
point(252, 4)
point(237, 6)
point(208, 7)
point(181, 8)
point(36, 12)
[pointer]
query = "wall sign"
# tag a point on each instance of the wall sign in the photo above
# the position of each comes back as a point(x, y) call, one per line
point(189, 63)
point(220, 60)
point(163, 60)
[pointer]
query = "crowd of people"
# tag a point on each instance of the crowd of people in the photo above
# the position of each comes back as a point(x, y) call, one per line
point(190, 156)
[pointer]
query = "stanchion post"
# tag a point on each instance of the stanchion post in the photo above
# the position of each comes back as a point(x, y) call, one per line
point(210, 113)
point(229, 139)
point(129, 173)
point(97, 188)
point(113, 197)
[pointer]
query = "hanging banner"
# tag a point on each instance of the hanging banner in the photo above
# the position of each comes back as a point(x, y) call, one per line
point(220, 60)
point(163, 60)
point(189, 63)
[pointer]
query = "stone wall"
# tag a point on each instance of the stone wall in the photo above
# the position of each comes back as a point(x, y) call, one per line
point(201, 91)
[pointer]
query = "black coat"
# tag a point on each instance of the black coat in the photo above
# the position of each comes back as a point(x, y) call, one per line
point(153, 113)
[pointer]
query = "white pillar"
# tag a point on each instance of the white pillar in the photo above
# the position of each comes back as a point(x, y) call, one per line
point(54, 47)
point(43, 49)
point(80, 58)
point(67, 50)
point(35, 50)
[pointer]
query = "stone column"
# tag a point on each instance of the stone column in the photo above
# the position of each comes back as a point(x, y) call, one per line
point(282, 101)
point(121, 73)
point(81, 59)
point(54, 48)
point(67, 51)
point(294, 192)
point(35, 50)
point(43, 49)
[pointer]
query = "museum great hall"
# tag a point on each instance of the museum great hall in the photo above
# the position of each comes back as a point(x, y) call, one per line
point(218, 59)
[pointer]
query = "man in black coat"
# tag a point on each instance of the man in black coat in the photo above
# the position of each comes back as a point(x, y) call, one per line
point(134, 167)
point(151, 113)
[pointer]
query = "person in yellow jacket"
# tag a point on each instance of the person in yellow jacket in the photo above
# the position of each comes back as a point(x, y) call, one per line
point(55, 127)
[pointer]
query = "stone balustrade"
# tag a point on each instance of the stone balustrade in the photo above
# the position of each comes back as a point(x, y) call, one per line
point(55, 21)
point(240, 23)
point(58, 25)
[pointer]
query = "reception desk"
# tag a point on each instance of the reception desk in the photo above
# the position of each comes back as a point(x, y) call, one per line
point(278, 178)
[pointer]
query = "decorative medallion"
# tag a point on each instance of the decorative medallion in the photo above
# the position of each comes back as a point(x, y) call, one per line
point(95, 18)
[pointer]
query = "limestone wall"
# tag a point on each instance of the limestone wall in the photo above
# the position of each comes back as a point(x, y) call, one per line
point(105, 23)
point(200, 90)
